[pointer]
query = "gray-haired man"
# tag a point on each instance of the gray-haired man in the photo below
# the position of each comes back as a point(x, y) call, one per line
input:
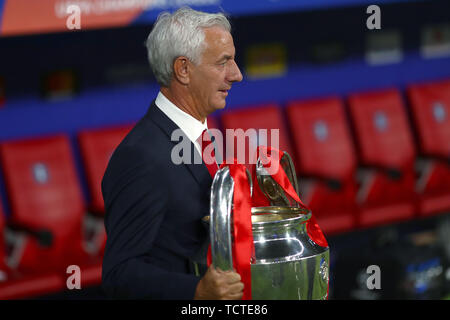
point(153, 206)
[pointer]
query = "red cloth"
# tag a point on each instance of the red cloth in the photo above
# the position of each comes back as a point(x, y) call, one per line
point(243, 247)
point(268, 155)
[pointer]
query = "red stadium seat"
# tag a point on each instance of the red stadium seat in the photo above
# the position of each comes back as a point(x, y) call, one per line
point(326, 161)
point(213, 123)
point(3, 255)
point(387, 153)
point(2, 245)
point(47, 206)
point(14, 285)
point(96, 148)
point(430, 107)
point(258, 123)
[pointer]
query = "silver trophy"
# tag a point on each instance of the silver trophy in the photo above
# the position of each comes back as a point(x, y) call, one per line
point(288, 264)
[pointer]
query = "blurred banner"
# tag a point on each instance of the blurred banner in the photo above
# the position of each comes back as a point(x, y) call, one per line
point(266, 60)
point(18, 17)
point(435, 41)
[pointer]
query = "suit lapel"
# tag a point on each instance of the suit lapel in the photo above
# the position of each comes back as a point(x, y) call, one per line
point(198, 171)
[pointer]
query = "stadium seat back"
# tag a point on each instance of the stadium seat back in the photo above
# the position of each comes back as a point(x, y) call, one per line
point(430, 106)
point(325, 151)
point(322, 138)
point(430, 109)
point(213, 122)
point(382, 128)
point(96, 148)
point(2, 242)
point(386, 149)
point(44, 194)
point(263, 125)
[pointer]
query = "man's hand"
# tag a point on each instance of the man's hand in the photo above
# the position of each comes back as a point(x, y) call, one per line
point(219, 285)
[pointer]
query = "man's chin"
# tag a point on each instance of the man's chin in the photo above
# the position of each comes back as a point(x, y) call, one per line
point(220, 106)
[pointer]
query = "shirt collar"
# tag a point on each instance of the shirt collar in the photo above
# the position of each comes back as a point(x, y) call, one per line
point(190, 126)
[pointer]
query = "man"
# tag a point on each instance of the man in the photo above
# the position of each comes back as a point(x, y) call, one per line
point(153, 206)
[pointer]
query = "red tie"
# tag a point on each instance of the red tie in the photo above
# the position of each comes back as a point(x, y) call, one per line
point(209, 157)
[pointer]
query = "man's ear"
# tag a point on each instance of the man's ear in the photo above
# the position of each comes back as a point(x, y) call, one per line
point(181, 67)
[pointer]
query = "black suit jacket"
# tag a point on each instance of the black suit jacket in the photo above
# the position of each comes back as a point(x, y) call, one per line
point(153, 214)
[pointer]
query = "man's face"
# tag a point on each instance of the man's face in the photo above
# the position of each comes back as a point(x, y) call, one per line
point(211, 79)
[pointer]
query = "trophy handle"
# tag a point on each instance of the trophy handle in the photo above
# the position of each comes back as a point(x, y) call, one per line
point(288, 166)
point(270, 187)
point(220, 224)
point(222, 190)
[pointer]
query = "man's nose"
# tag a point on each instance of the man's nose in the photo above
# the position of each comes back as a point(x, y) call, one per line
point(235, 74)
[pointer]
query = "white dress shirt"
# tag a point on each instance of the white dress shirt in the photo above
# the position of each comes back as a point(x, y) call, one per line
point(190, 126)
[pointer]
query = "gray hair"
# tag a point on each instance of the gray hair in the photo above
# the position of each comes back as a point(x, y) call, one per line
point(179, 34)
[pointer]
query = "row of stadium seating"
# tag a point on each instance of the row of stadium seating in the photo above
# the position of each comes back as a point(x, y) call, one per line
point(50, 227)
point(361, 163)
point(371, 160)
